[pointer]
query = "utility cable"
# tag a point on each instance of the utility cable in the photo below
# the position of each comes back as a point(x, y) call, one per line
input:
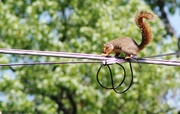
point(109, 59)
point(46, 63)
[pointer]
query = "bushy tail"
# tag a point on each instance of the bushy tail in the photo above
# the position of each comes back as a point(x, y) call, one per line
point(144, 27)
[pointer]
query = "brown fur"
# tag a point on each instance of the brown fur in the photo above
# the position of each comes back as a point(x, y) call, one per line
point(126, 44)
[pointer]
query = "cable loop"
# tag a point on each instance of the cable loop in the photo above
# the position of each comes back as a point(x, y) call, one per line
point(113, 87)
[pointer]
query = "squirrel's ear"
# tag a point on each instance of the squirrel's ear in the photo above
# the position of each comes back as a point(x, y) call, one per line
point(111, 46)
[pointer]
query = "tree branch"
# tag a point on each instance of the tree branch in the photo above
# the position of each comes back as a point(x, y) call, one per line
point(163, 16)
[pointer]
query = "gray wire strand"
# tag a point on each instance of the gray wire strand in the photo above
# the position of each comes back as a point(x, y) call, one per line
point(53, 54)
point(48, 63)
point(161, 55)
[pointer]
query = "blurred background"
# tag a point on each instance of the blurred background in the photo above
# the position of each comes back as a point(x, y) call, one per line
point(83, 26)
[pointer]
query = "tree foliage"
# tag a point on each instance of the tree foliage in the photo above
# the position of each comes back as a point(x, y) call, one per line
point(78, 26)
point(162, 7)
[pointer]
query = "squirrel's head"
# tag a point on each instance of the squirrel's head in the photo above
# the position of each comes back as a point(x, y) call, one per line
point(107, 48)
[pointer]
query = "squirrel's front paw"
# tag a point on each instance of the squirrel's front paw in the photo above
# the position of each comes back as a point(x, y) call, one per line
point(104, 54)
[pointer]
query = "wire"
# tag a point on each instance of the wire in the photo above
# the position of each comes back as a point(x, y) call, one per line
point(54, 54)
point(97, 77)
point(158, 62)
point(109, 59)
point(106, 61)
point(131, 82)
point(161, 55)
point(43, 63)
point(112, 80)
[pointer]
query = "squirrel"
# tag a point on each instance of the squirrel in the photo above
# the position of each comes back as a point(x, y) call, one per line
point(126, 44)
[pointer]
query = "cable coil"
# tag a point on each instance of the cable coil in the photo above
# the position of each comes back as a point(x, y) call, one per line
point(112, 80)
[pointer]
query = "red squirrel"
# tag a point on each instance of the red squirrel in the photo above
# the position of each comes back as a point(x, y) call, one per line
point(126, 44)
